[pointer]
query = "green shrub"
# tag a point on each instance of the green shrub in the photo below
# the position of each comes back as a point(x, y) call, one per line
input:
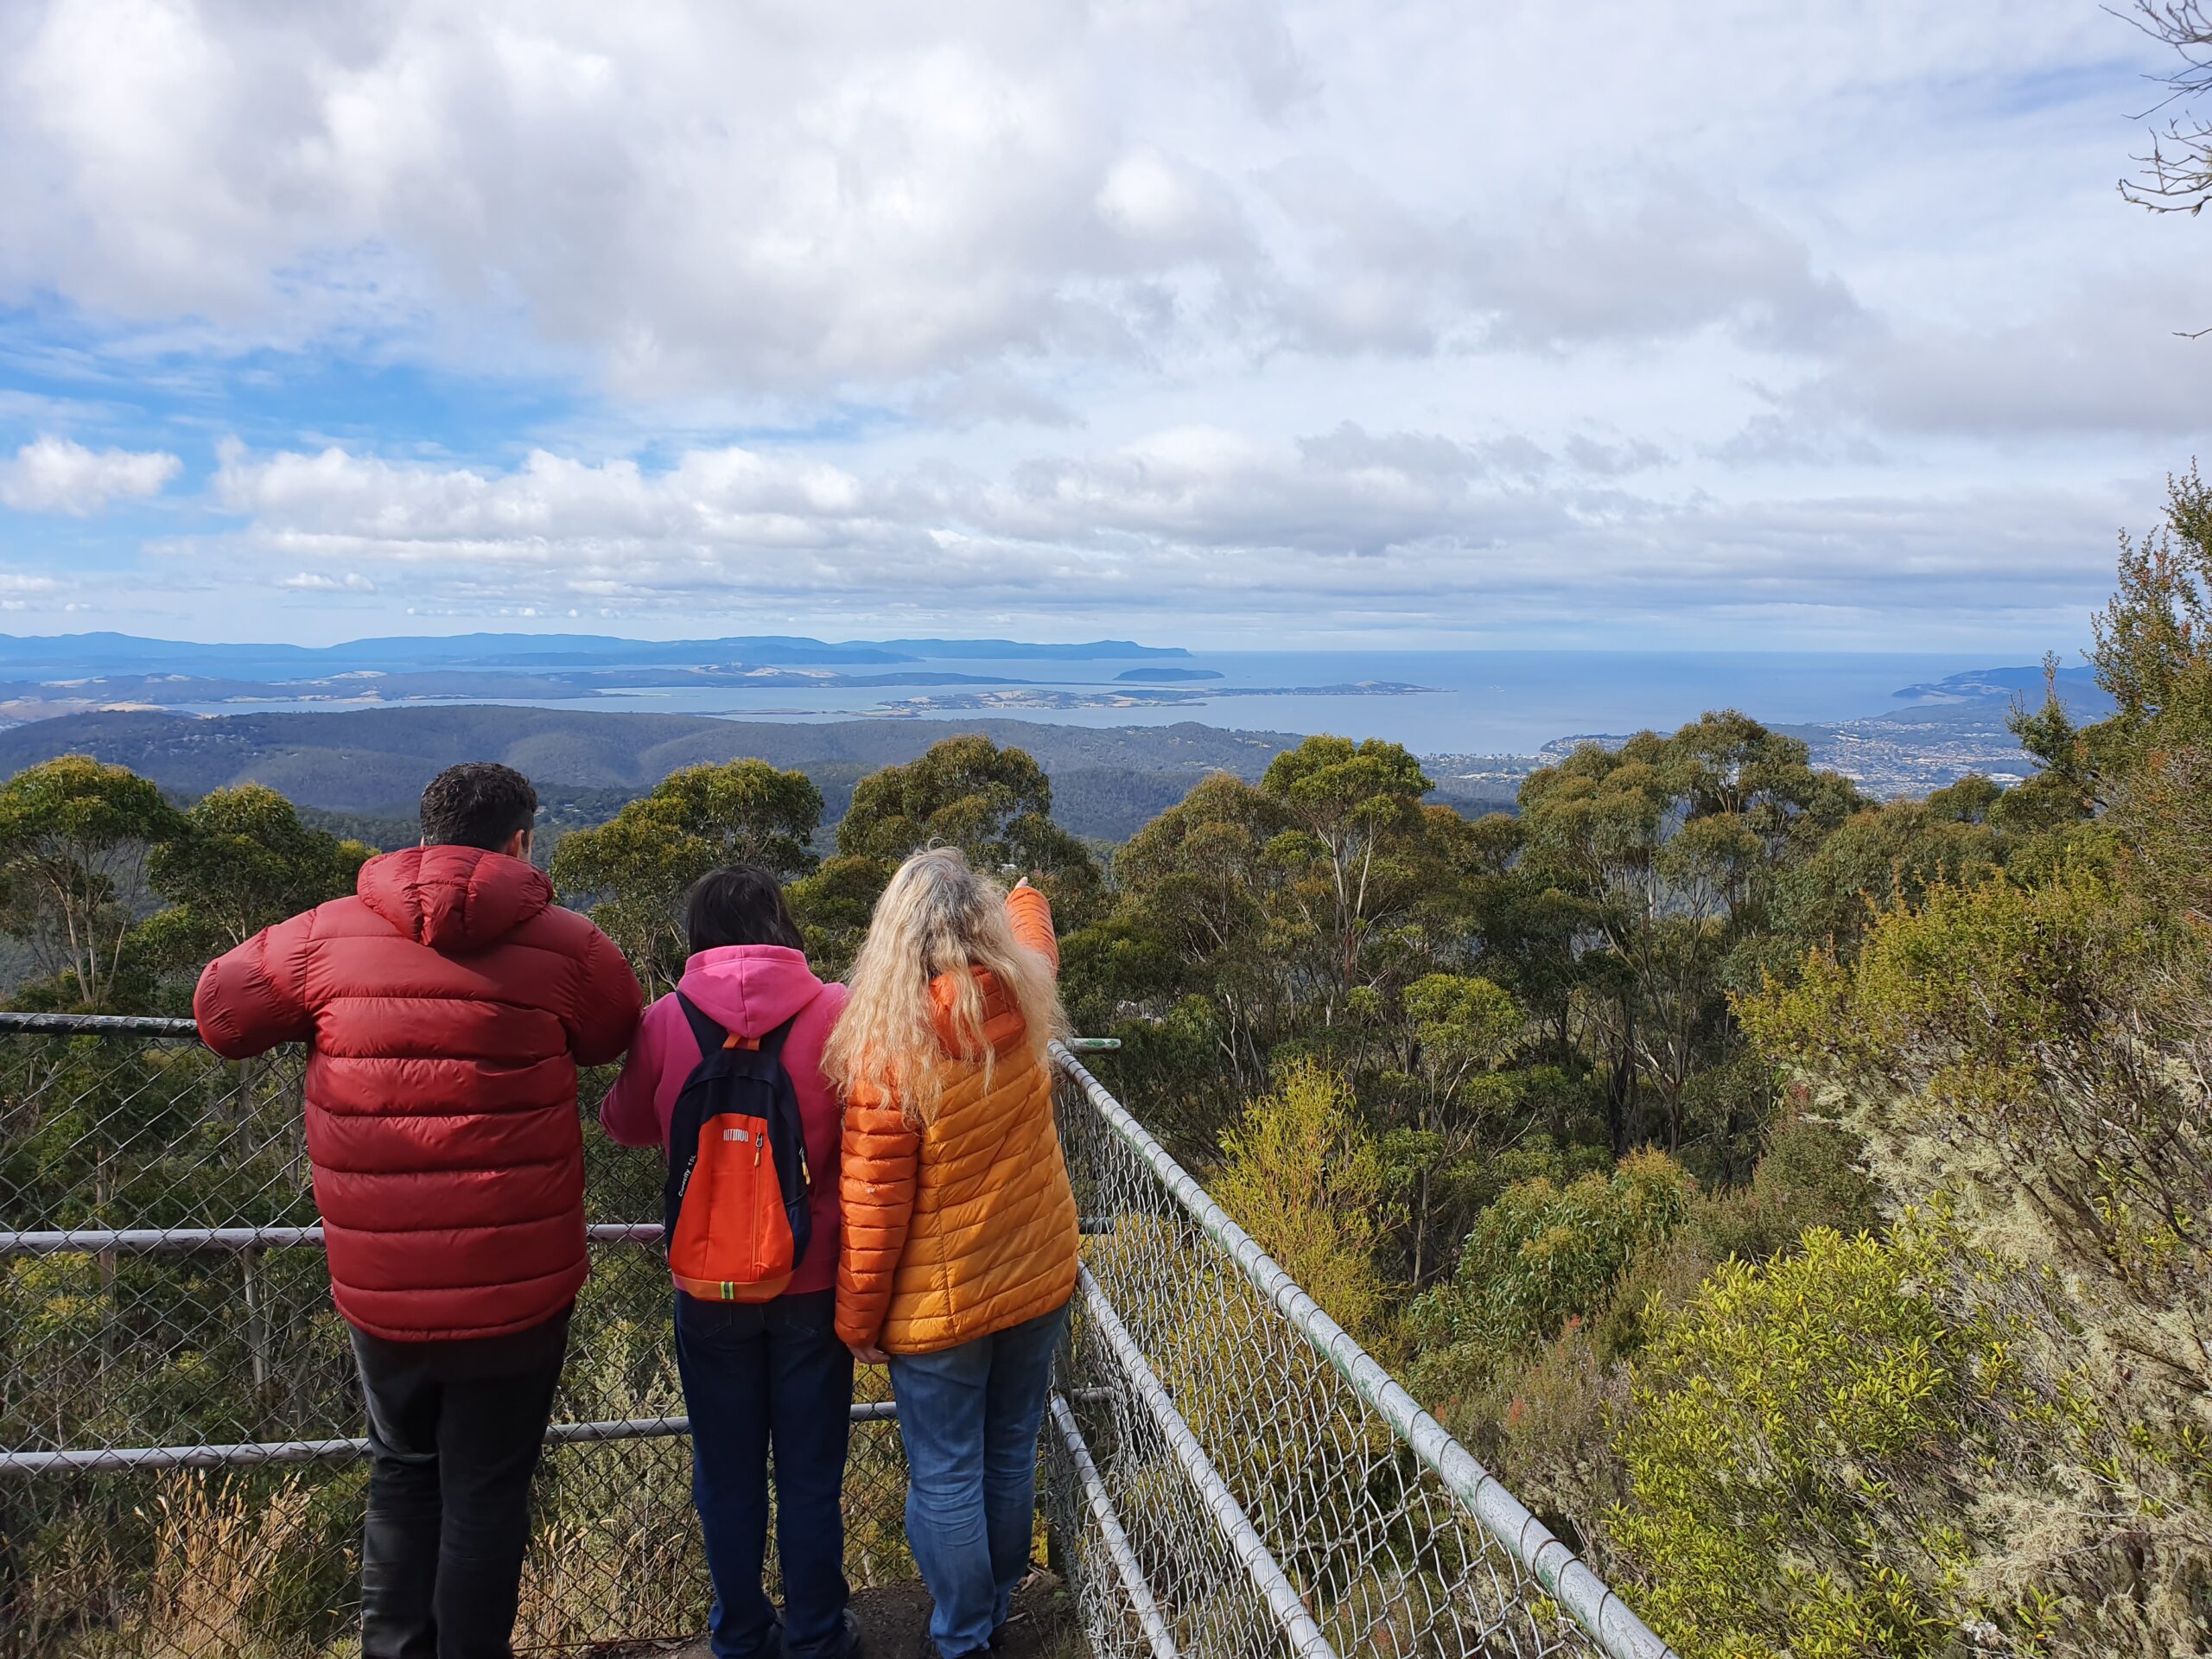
point(1303, 1176)
point(1789, 1446)
point(1542, 1255)
point(2030, 1069)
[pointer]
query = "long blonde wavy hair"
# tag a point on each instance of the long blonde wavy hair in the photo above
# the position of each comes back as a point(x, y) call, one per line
point(937, 918)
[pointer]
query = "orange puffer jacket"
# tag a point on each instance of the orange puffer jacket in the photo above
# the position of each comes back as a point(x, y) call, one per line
point(966, 1227)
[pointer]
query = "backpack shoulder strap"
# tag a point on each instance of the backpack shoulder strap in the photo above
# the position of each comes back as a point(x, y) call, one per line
point(710, 1036)
point(772, 1044)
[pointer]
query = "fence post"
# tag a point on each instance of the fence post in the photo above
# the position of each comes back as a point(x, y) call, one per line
point(105, 1260)
point(1056, 1547)
point(257, 1317)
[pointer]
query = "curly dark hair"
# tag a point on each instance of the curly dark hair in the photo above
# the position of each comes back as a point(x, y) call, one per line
point(480, 803)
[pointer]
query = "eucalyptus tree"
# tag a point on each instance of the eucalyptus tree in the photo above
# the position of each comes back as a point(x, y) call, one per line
point(996, 804)
point(1676, 844)
point(633, 869)
point(76, 837)
point(239, 860)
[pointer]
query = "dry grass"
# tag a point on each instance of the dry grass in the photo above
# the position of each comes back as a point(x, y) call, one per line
point(634, 1573)
point(256, 1565)
point(216, 1544)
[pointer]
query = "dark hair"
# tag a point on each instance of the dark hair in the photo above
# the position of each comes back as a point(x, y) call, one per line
point(738, 904)
point(478, 804)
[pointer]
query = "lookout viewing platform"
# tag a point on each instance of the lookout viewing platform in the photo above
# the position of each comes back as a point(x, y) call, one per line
point(1226, 1473)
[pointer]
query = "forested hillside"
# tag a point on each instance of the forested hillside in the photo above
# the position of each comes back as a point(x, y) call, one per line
point(1800, 1199)
point(372, 763)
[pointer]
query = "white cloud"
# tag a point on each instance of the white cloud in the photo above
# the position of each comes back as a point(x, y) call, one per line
point(1346, 524)
point(22, 590)
point(1214, 309)
point(866, 194)
point(51, 474)
point(1603, 460)
point(863, 193)
point(1635, 261)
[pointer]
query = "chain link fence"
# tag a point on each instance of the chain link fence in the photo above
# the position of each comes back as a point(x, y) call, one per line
point(181, 1470)
point(182, 1475)
point(1235, 1478)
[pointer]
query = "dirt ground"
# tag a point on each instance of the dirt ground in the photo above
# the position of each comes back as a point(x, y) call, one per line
point(895, 1623)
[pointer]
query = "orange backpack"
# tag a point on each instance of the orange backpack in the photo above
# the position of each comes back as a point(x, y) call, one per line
point(734, 1212)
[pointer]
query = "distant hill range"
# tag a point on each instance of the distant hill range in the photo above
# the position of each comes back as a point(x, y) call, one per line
point(42, 677)
point(109, 694)
point(82, 655)
point(118, 673)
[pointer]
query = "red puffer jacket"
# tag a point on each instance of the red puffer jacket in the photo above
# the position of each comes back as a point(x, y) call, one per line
point(449, 1004)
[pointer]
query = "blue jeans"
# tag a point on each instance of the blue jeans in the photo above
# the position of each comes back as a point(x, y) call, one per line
point(756, 1373)
point(969, 1416)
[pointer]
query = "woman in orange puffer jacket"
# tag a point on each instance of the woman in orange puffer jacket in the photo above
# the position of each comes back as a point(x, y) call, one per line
point(959, 1255)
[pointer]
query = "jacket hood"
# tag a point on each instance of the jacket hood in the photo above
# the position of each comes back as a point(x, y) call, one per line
point(750, 989)
point(453, 899)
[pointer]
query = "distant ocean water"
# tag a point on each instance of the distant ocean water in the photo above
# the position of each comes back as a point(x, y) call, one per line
point(1482, 702)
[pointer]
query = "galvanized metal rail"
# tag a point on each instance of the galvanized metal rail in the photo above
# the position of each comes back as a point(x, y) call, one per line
point(1608, 1620)
point(1126, 1564)
point(245, 1454)
point(152, 1241)
point(132, 1025)
point(1298, 1629)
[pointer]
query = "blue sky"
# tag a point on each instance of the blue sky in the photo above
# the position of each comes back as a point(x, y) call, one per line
point(1513, 324)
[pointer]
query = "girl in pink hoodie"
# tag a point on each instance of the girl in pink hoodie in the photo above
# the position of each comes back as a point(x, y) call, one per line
point(759, 1372)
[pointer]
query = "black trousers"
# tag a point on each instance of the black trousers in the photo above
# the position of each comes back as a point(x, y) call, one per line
point(454, 1432)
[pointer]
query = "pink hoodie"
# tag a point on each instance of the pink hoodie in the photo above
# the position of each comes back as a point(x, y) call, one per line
point(750, 989)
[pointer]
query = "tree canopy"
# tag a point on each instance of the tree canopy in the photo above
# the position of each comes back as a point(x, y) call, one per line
point(238, 860)
point(996, 804)
point(632, 870)
point(75, 838)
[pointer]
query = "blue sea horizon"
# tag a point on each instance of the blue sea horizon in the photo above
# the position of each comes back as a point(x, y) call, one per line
point(1473, 701)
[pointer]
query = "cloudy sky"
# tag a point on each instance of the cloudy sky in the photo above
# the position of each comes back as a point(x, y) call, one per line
point(1806, 322)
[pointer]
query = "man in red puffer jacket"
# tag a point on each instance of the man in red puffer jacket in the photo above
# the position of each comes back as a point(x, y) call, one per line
point(448, 1004)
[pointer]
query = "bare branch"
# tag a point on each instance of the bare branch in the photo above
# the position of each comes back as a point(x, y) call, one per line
point(2177, 173)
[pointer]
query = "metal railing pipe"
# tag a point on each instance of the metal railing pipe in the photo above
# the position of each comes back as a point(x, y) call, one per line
point(1588, 1599)
point(148, 1241)
point(132, 1025)
point(1268, 1576)
point(247, 1453)
point(1110, 1527)
point(97, 1025)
